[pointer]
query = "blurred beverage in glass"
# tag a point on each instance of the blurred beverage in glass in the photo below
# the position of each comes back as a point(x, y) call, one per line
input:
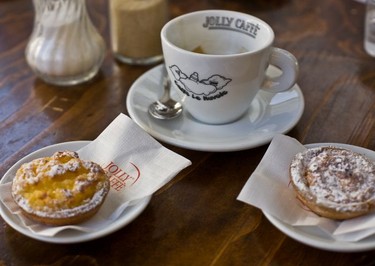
point(135, 30)
point(370, 28)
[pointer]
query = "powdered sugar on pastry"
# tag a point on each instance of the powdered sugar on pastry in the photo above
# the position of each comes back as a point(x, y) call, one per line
point(334, 178)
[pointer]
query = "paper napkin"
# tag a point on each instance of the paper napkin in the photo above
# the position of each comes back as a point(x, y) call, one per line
point(269, 189)
point(137, 166)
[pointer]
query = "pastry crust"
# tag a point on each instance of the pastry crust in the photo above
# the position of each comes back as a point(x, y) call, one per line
point(333, 182)
point(61, 189)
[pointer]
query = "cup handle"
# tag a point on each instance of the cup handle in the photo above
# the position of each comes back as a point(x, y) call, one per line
point(288, 64)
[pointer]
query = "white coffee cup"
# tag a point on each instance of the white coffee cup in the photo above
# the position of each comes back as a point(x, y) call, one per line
point(218, 85)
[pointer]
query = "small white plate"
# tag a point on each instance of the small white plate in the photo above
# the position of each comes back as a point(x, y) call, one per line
point(269, 114)
point(66, 236)
point(313, 236)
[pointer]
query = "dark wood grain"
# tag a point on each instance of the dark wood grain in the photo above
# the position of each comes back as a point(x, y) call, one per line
point(195, 219)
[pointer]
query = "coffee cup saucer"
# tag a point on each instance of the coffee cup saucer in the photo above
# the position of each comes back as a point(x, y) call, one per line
point(268, 115)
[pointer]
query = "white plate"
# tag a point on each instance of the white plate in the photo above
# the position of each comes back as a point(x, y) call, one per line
point(313, 236)
point(66, 236)
point(268, 115)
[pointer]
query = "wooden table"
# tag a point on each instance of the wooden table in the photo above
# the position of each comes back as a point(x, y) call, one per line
point(196, 219)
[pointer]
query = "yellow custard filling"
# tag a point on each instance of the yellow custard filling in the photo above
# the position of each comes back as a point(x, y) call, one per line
point(60, 182)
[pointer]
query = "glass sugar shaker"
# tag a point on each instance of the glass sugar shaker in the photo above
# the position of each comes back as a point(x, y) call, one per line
point(135, 30)
point(64, 48)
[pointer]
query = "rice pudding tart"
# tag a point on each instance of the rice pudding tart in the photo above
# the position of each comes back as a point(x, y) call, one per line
point(333, 182)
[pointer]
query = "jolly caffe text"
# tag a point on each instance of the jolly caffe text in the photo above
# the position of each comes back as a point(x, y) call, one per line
point(231, 23)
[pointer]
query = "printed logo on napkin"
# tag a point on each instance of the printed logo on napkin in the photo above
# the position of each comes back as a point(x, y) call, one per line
point(121, 178)
point(136, 164)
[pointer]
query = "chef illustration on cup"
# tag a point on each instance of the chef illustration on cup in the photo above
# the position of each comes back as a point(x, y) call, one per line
point(200, 89)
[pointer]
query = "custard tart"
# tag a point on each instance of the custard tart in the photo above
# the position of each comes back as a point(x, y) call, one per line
point(61, 189)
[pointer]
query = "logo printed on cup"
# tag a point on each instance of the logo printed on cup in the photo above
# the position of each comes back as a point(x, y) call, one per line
point(230, 23)
point(206, 89)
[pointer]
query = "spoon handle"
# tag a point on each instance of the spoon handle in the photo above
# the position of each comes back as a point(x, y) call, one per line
point(166, 85)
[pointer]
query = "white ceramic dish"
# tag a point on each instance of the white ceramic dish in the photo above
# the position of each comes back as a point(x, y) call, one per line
point(313, 236)
point(268, 115)
point(66, 236)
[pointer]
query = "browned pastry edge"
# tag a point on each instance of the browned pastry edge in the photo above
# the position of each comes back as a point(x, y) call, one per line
point(63, 221)
point(327, 212)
